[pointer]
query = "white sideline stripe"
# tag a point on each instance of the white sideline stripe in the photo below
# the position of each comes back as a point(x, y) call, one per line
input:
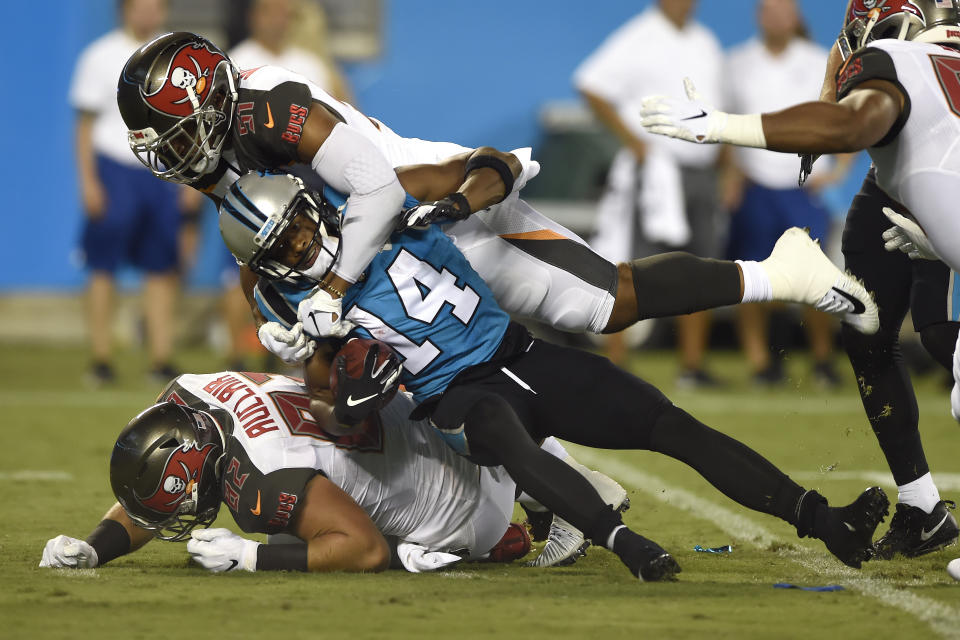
point(941, 618)
point(944, 481)
point(30, 475)
point(54, 399)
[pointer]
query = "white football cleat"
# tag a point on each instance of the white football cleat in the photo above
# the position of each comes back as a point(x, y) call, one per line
point(565, 545)
point(799, 271)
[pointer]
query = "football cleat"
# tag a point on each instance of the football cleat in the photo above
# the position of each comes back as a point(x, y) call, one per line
point(565, 545)
point(647, 560)
point(848, 532)
point(914, 533)
point(799, 271)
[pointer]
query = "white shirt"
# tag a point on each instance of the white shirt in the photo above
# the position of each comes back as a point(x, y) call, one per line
point(250, 54)
point(760, 82)
point(94, 89)
point(646, 56)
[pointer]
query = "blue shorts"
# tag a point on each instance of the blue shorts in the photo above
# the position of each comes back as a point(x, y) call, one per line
point(140, 225)
point(765, 214)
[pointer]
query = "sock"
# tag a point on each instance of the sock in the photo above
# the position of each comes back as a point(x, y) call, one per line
point(920, 493)
point(756, 282)
point(613, 536)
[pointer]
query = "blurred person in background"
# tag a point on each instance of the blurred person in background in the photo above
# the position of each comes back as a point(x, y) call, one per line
point(130, 217)
point(661, 196)
point(271, 26)
point(779, 67)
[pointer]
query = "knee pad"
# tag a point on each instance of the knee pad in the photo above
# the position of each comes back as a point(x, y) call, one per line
point(940, 341)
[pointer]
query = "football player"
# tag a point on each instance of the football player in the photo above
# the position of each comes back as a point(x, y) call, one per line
point(896, 95)
point(194, 118)
point(248, 440)
point(492, 390)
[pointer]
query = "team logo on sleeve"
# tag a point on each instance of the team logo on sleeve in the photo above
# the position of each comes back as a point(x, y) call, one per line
point(180, 474)
point(191, 67)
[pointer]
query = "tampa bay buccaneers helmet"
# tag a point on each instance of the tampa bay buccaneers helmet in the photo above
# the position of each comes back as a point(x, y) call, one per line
point(259, 207)
point(177, 95)
point(165, 470)
point(935, 21)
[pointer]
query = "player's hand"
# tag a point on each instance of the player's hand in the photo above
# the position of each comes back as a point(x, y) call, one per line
point(94, 198)
point(64, 552)
point(322, 316)
point(416, 558)
point(357, 398)
point(689, 119)
point(290, 345)
point(426, 213)
point(219, 550)
point(907, 236)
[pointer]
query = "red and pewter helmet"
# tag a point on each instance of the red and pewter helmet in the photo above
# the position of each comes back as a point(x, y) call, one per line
point(165, 470)
point(177, 96)
point(935, 21)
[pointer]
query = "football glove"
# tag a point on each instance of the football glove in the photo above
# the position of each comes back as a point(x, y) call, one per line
point(322, 316)
point(219, 550)
point(696, 121)
point(426, 213)
point(906, 235)
point(64, 552)
point(416, 558)
point(357, 398)
point(290, 345)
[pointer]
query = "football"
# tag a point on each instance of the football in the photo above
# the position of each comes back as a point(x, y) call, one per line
point(355, 353)
point(514, 544)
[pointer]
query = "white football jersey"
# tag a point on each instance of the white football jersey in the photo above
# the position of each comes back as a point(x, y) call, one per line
point(411, 484)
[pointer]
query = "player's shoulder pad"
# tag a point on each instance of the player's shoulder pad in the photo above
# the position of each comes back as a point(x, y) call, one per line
point(261, 503)
point(873, 62)
point(272, 119)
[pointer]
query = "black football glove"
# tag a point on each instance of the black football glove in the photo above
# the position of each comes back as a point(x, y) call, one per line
point(450, 209)
point(357, 398)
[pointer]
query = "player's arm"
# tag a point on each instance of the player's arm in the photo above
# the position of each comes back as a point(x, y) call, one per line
point(115, 536)
point(350, 163)
point(607, 113)
point(340, 536)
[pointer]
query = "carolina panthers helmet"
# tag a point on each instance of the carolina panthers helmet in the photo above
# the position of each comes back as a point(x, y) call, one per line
point(177, 96)
point(936, 21)
point(165, 470)
point(256, 211)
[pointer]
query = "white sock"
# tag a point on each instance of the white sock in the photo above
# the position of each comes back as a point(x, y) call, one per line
point(919, 493)
point(756, 282)
point(613, 535)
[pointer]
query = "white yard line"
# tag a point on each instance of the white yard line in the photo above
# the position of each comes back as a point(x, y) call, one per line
point(71, 399)
point(940, 617)
point(28, 475)
point(944, 481)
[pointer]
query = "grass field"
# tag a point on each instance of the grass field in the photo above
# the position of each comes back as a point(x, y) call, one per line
point(53, 478)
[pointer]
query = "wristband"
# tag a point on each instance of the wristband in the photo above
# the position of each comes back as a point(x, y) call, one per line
point(462, 205)
point(282, 557)
point(110, 540)
point(492, 162)
point(741, 130)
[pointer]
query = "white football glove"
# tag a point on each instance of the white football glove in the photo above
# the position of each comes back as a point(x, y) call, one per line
point(694, 120)
point(220, 550)
point(290, 345)
point(64, 552)
point(322, 316)
point(907, 236)
point(416, 558)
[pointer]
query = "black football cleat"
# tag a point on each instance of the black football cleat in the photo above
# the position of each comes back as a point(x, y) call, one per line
point(848, 531)
point(646, 560)
point(914, 533)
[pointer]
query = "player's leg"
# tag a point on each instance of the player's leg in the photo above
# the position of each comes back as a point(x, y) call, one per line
point(598, 405)
point(478, 420)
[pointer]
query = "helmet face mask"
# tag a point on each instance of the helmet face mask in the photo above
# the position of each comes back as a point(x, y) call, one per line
point(262, 212)
point(165, 470)
point(935, 21)
point(177, 95)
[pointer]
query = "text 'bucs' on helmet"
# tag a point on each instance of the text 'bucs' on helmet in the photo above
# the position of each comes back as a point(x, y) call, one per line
point(264, 212)
point(177, 95)
point(935, 21)
point(165, 469)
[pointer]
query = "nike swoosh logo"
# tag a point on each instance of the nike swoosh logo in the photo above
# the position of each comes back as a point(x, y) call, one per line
point(703, 114)
point(269, 123)
point(233, 565)
point(256, 511)
point(926, 535)
point(352, 403)
point(858, 306)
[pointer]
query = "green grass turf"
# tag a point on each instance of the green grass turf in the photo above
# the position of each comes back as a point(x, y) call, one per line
point(52, 423)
